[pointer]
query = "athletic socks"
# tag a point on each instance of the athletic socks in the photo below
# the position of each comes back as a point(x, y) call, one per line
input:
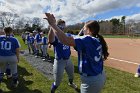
point(53, 88)
point(15, 80)
point(70, 81)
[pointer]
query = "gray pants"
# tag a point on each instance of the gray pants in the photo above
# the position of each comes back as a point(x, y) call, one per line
point(33, 48)
point(93, 84)
point(44, 50)
point(29, 46)
point(11, 60)
point(38, 48)
point(58, 70)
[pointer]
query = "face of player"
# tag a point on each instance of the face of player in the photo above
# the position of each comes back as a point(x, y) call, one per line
point(62, 26)
point(42, 35)
point(30, 34)
point(86, 31)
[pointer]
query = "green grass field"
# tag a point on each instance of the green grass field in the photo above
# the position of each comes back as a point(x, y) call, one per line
point(33, 81)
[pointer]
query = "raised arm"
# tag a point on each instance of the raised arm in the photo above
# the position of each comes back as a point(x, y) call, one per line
point(51, 36)
point(81, 32)
point(58, 32)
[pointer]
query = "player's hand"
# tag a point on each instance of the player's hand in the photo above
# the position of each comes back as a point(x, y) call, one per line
point(49, 46)
point(50, 18)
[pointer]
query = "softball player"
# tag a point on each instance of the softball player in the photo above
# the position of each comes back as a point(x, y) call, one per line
point(8, 71)
point(9, 54)
point(23, 37)
point(92, 51)
point(44, 46)
point(32, 43)
point(62, 59)
point(38, 40)
point(28, 42)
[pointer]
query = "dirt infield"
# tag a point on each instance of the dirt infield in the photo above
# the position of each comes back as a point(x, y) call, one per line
point(124, 54)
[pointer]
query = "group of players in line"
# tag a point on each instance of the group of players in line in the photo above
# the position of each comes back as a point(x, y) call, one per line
point(91, 47)
point(37, 43)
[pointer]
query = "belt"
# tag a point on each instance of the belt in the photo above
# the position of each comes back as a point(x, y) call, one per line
point(84, 74)
point(62, 58)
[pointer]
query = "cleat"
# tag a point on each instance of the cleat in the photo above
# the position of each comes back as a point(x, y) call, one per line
point(43, 59)
point(9, 76)
point(74, 86)
point(15, 83)
point(36, 56)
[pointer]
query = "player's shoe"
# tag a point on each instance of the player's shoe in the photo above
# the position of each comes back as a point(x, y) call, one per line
point(74, 86)
point(137, 75)
point(9, 76)
point(44, 59)
point(36, 56)
point(49, 59)
point(15, 83)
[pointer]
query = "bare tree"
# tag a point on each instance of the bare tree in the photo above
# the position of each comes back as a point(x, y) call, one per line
point(36, 21)
point(7, 18)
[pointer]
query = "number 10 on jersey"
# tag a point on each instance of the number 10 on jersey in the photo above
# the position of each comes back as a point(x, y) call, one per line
point(5, 45)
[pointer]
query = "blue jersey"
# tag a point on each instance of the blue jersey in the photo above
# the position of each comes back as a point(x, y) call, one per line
point(28, 38)
point(8, 46)
point(31, 39)
point(44, 40)
point(90, 60)
point(38, 38)
point(61, 50)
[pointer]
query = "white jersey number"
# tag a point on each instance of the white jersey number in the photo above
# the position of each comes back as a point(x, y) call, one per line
point(65, 47)
point(6, 45)
point(97, 58)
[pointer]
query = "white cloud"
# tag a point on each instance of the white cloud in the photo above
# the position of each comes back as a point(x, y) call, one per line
point(135, 17)
point(72, 11)
point(117, 17)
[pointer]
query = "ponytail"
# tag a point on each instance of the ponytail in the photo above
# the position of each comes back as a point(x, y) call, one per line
point(104, 46)
point(95, 28)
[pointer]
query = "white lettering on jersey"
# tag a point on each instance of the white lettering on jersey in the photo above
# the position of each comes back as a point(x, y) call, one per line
point(6, 45)
point(97, 58)
point(65, 47)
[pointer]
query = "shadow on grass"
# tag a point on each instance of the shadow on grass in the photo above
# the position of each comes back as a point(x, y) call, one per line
point(22, 87)
point(51, 59)
point(76, 69)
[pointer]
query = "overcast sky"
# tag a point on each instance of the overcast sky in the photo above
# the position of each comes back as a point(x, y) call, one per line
point(74, 11)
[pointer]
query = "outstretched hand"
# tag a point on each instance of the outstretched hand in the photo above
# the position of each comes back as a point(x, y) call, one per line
point(50, 18)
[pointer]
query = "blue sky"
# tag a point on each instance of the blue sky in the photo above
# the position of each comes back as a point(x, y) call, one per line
point(75, 11)
point(116, 13)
